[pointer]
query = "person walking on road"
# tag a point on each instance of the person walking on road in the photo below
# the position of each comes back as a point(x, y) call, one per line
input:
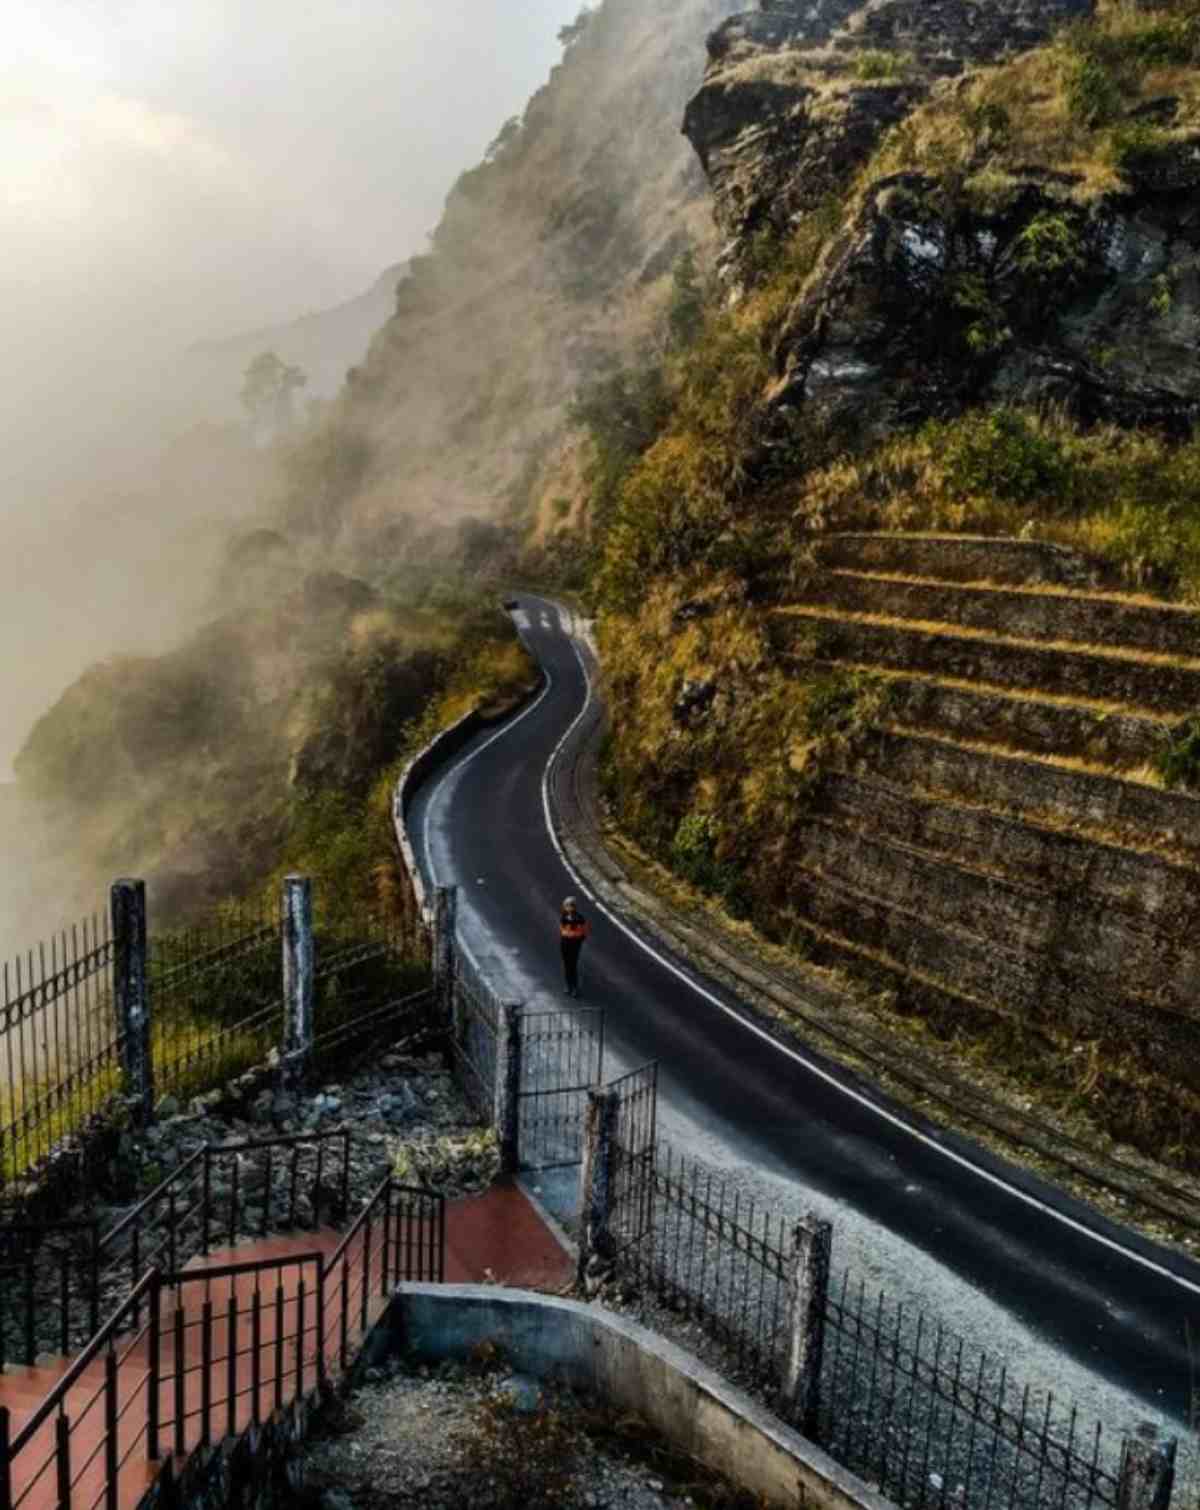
point(573, 928)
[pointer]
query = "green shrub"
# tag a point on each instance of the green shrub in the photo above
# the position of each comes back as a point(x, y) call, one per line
point(1136, 145)
point(1050, 246)
point(1178, 763)
point(880, 67)
point(1093, 91)
point(843, 704)
point(986, 330)
point(1161, 297)
point(1000, 453)
point(685, 312)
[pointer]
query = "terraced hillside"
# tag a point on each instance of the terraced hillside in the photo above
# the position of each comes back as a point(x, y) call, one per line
point(997, 847)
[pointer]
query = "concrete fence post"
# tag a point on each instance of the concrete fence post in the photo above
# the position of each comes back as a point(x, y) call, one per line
point(808, 1291)
point(445, 914)
point(508, 1087)
point(1147, 1470)
point(131, 996)
point(595, 1178)
point(298, 980)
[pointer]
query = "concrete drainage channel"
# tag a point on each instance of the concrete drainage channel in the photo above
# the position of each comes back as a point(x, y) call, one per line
point(567, 1342)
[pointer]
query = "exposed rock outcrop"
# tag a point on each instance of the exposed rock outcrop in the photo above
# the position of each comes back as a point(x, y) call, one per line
point(941, 289)
point(798, 95)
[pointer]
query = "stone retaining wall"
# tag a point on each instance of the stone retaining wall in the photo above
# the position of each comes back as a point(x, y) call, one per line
point(989, 716)
point(1157, 894)
point(1135, 684)
point(1032, 787)
point(1036, 616)
point(1116, 954)
point(1038, 986)
point(961, 558)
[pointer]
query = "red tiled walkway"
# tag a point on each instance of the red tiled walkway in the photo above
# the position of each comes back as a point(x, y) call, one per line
point(498, 1234)
point(503, 1231)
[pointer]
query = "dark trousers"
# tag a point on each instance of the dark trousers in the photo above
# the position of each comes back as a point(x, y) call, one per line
point(570, 954)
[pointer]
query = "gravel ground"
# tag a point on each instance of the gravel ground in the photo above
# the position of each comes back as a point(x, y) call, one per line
point(475, 1434)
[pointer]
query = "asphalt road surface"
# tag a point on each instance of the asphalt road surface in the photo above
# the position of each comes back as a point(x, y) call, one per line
point(1110, 1299)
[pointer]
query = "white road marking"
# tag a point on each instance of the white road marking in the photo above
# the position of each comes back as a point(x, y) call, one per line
point(450, 776)
point(831, 1080)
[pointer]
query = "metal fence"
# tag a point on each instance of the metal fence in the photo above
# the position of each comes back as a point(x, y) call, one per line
point(912, 1407)
point(370, 979)
point(111, 1007)
point(631, 1173)
point(215, 997)
point(937, 1422)
point(711, 1255)
point(49, 1289)
point(59, 1043)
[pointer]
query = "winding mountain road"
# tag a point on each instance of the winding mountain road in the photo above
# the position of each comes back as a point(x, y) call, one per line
point(1110, 1300)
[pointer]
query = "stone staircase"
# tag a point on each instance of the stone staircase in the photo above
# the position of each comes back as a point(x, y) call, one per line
point(998, 849)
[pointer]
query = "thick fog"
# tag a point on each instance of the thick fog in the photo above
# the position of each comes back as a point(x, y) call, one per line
point(174, 174)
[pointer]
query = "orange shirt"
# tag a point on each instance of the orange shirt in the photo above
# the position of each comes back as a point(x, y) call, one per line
point(574, 927)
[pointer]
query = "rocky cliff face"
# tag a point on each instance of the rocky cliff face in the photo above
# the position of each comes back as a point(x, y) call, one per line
point(992, 261)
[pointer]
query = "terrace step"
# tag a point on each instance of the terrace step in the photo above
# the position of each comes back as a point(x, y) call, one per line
point(1076, 930)
point(1004, 980)
point(961, 558)
point(1057, 797)
point(1101, 734)
point(1058, 614)
point(1132, 681)
point(1157, 895)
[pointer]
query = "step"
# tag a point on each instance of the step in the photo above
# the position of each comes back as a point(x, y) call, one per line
point(1032, 723)
point(1057, 614)
point(1072, 932)
point(1128, 681)
point(961, 558)
point(946, 890)
point(1062, 796)
point(1008, 982)
point(1161, 895)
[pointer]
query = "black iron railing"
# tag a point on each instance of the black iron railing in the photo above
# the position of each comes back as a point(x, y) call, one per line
point(216, 996)
point(936, 1421)
point(103, 1399)
point(59, 1043)
point(222, 1347)
point(208, 1201)
point(49, 1289)
point(901, 1400)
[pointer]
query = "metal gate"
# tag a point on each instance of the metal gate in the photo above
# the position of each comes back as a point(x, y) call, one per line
point(562, 1058)
point(631, 1177)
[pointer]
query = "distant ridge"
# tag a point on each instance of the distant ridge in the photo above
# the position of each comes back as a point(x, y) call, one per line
point(324, 344)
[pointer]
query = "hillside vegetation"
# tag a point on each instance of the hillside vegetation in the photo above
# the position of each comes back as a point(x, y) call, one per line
point(980, 321)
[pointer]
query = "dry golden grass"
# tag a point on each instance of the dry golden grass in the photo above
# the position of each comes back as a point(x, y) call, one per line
point(1025, 589)
point(940, 627)
point(1017, 694)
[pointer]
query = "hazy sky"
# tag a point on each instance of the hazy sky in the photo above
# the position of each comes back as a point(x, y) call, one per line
point(171, 171)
